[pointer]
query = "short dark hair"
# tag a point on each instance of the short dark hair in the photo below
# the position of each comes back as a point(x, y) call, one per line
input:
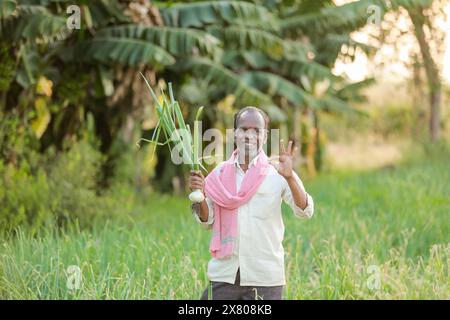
point(253, 109)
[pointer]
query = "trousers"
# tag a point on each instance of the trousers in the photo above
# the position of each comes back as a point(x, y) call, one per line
point(227, 291)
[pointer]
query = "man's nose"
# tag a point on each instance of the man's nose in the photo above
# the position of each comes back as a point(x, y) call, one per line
point(249, 137)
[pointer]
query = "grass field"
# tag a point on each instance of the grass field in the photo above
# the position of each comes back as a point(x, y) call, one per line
point(375, 235)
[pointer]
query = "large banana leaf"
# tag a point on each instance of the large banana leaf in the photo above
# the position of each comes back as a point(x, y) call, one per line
point(230, 81)
point(294, 69)
point(290, 68)
point(124, 51)
point(348, 17)
point(7, 7)
point(31, 27)
point(410, 4)
point(242, 59)
point(240, 37)
point(275, 85)
point(296, 50)
point(104, 12)
point(352, 91)
point(332, 41)
point(244, 38)
point(338, 19)
point(329, 47)
point(334, 104)
point(177, 41)
point(28, 70)
point(199, 14)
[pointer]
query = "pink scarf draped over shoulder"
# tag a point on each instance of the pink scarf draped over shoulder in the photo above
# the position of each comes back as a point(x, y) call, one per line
point(221, 189)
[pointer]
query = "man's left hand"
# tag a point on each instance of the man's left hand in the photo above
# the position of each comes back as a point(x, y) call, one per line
point(283, 162)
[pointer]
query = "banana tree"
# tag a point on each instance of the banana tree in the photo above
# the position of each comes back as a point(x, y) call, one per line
point(257, 51)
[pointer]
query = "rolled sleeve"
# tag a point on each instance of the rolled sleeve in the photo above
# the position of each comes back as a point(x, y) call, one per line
point(208, 223)
point(306, 213)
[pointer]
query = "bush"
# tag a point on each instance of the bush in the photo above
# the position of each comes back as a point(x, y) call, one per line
point(397, 119)
point(73, 180)
point(60, 189)
point(25, 198)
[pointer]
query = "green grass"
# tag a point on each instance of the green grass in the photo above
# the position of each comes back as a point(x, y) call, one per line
point(394, 219)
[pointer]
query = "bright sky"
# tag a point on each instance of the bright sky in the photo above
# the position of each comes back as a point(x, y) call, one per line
point(394, 67)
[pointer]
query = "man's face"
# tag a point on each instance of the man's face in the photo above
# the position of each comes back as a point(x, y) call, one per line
point(250, 134)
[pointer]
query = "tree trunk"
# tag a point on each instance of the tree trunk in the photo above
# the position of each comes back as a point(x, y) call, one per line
point(435, 97)
point(311, 145)
point(432, 72)
point(298, 137)
point(318, 146)
point(417, 99)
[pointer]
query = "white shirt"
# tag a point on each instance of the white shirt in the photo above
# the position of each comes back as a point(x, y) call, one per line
point(258, 251)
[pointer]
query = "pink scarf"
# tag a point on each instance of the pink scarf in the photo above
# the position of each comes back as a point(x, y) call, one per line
point(221, 188)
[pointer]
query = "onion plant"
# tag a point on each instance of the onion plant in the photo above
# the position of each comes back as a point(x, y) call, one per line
point(176, 132)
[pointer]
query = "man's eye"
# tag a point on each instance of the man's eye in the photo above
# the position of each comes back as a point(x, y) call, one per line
point(255, 131)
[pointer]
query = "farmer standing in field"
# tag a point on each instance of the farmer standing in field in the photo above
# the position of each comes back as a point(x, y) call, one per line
point(243, 208)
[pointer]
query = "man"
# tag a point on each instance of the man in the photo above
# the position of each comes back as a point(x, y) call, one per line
point(243, 207)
